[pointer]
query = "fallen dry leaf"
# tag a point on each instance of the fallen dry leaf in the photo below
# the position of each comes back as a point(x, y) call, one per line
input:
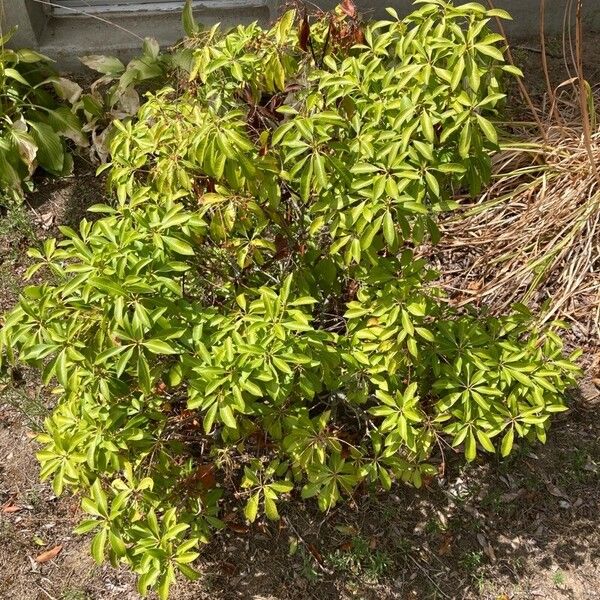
point(49, 554)
point(46, 220)
point(313, 550)
point(487, 547)
point(206, 476)
point(229, 568)
point(556, 491)
point(11, 509)
point(446, 545)
point(238, 528)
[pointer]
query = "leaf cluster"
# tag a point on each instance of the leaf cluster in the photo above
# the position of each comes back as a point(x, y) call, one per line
point(37, 122)
point(115, 95)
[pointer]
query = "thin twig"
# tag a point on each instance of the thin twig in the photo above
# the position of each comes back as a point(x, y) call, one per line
point(432, 581)
point(308, 546)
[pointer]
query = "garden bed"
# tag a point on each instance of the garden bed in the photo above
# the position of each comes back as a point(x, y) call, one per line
point(521, 528)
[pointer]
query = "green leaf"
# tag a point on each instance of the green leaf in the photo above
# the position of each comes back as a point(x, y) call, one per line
point(500, 13)
point(64, 121)
point(107, 285)
point(470, 446)
point(26, 55)
point(117, 544)
point(143, 373)
point(14, 74)
point(98, 545)
point(226, 414)
point(158, 346)
point(271, 509)
point(8, 174)
point(465, 140)
point(188, 572)
point(251, 508)
point(488, 129)
point(86, 526)
point(50, 154)
point(485, 441)
point(178, 245)
point(190, 27)
point(507, 442)
point(108, 65)
point(389, 229)
point(427, 126)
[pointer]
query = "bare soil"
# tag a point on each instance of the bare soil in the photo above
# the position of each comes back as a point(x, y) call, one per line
point(522, 528)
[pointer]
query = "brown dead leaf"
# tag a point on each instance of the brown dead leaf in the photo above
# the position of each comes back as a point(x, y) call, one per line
point(313, 550)
point(48, 555)
point(206, 475)
point(359, 36)
point(46, 220)
point(228, 568)
point(304, 34)
point(238, 528)
point(349, 8)
point(11, 509)
point(475, 286)
point(446, 545)
point(160, 389)
point(511, 496)
point(487, 547)
point(556, 491)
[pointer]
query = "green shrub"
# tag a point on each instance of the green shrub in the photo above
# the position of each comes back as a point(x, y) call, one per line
point(36, 119)
point(248, 321)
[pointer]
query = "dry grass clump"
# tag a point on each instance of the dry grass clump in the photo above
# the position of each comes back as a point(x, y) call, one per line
point(534, 235)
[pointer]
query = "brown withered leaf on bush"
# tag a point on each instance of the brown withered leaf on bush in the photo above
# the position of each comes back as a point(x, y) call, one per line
point(349, 8)
point(304, 34)
point(48, 555)
point(206, 476)
point(359, 36)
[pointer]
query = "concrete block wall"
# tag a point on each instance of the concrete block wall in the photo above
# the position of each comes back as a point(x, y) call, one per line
point(67, 37)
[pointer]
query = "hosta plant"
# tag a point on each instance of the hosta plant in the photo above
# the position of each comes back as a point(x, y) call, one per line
point(36, 119)
point(115, 95)
point(247, 322)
